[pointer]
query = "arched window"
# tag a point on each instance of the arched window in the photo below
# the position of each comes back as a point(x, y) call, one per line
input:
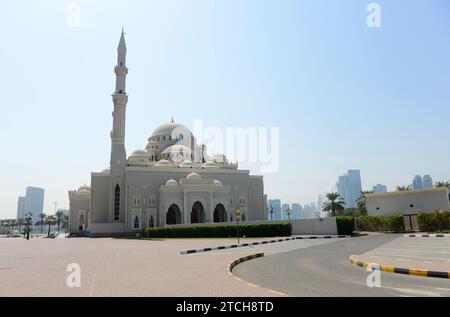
point(117, 203)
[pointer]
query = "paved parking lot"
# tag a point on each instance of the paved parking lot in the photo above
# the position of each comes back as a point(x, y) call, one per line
point(429, 253)
point(120, 267)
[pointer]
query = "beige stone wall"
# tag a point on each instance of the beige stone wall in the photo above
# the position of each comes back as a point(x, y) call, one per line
point(407, 202)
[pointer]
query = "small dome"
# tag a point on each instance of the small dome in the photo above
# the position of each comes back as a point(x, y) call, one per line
point(84, 188)
point(139, 152)
point(218, 183)
point(209, 164)
point(186, 164)
point(171, 182)
point(163, 163)
point(193, 177)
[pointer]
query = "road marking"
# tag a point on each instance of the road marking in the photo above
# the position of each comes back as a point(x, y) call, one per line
point(252, 285)
point(91, 290)
point(277, 293)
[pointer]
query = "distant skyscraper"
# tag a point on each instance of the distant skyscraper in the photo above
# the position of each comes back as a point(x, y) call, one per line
point(417, 182)
point(320, 201)
point(276, 204)
point(427, 182)
point(349, 188)
point(380, 188)
point(34, 201)
point(296, 210)
point(21, 208)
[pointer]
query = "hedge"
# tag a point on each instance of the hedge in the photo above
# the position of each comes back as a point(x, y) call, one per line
point(345, 224)
point(277, 229)
point(392, 223)
point(437, 221)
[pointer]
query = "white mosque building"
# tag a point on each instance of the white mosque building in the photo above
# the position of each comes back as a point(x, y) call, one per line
point(173, 181)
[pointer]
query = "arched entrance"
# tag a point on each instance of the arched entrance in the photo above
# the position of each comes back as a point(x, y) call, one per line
point(198, 213)
point(151, 223)
point(220, 214)
point(173, 215)
point(81, 223)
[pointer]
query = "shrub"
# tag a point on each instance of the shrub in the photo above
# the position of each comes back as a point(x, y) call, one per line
point(371, 223)
point(394, 223)
point(345, 224)
point(437, 221)
point(278, 229)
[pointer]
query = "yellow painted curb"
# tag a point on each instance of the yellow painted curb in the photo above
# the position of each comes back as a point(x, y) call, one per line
point(399, 270)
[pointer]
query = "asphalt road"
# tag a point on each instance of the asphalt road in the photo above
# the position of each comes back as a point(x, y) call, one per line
point(324, 270)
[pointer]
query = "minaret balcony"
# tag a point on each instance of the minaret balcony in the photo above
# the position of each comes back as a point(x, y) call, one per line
point(121, 70)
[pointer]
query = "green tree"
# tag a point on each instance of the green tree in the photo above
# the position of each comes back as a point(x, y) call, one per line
point(50, 220)
point(441, 184)
point(403, 188)
point(361, 201)
point(41, 222)
point(59, 215)
point(333, 204)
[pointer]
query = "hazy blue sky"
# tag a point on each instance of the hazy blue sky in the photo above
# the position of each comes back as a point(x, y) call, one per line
point(344, 95)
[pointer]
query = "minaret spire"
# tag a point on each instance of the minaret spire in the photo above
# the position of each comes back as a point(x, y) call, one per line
point(118, 153)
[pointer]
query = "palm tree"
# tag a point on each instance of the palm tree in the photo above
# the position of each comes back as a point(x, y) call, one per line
point(65, 222)
point(13, 223)
point(403, 188)
point(362, 202)
point(442, 184)
point(334, 203)
point(20, 222)
point(59, 215)
point(49, 220)
point(41, 222)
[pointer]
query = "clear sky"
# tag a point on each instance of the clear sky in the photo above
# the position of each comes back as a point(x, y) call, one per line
point(344, 96)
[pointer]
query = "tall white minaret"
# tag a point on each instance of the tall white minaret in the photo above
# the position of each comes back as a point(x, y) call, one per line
point(118, 154)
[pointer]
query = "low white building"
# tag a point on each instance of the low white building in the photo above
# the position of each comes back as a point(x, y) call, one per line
point(407, 202)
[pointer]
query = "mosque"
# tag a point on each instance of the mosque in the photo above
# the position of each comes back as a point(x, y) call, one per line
point(173, 181)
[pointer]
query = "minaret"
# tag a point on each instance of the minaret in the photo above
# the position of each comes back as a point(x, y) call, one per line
point(118, 154)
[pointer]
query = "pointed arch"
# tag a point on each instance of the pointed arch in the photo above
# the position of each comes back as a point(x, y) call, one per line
point(198, 213)
point(220, 213)
point(173, 215)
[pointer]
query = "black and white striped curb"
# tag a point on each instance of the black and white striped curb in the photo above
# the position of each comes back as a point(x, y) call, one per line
point(223, 247)
point(425, 235)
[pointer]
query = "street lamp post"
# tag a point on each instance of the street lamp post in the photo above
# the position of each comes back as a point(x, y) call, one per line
point(271, 212)
point(28, 218)
point(237, 212)
point(288, 213)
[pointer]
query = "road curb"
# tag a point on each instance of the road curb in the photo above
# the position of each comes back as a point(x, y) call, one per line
point(399, 270)
point(233, 264)
point(223, 247)
point(425, 235)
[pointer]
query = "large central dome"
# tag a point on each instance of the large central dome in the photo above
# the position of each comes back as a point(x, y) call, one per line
point(168, 129)
point(168, 135)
